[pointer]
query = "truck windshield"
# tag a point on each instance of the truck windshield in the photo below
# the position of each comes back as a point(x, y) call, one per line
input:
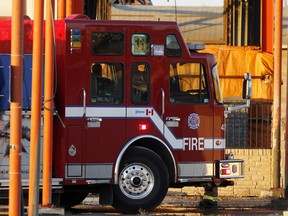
point(216, 83)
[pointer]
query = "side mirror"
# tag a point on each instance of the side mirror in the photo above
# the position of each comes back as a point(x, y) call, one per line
point(246, 95)
point(247, 86)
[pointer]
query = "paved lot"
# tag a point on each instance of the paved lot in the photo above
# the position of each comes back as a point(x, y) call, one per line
point(180, 204)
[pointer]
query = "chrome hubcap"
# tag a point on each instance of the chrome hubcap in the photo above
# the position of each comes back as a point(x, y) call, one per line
point(136, 181)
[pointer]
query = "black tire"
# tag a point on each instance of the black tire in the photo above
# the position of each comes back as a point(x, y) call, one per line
point(143, 181)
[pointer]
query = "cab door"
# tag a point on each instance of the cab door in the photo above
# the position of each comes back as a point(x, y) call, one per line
point(105, 118)
point(189, 117)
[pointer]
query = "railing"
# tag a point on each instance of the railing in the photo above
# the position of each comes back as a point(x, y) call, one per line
point(250, 127)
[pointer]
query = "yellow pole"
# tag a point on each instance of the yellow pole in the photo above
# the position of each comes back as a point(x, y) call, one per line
point(277, 93)
point(69, 7)
point(61, 9)
point(33, 201)
point(16, 109)
point(48, 106)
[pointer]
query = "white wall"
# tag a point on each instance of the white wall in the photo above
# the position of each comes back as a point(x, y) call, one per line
point(6, 7)
point(29, 8)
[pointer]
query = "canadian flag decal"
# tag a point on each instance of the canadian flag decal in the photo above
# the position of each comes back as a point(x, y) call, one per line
point(149, 112)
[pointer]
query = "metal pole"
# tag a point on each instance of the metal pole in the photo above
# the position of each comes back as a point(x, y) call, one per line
point(285, 182)
point(16, 108)
point(48, 106)
point(69, 7)
point(277, 93)
point(36, 106)
point(267, 25)
point(61, 9)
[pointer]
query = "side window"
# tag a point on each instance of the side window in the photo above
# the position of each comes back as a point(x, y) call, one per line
point(140, 83)
point(140, 44)
point(188, 83)
point(172, 46)
point(107, 43)
point(106, 82)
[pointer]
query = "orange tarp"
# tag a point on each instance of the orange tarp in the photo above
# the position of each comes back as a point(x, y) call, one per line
point(233, 62)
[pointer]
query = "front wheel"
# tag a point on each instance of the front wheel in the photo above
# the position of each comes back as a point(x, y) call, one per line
point(143, 181)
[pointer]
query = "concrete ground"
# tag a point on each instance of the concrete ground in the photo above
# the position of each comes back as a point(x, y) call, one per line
point(179, 204)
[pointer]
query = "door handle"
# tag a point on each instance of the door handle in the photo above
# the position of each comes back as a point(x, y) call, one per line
point(84, 102)
point(162, 102)
point(94, 119)
point(177, 119)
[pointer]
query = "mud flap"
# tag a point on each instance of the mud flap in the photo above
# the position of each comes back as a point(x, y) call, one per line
point(106, 195)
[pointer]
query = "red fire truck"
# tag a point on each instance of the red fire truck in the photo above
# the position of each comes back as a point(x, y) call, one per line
point(138, 111)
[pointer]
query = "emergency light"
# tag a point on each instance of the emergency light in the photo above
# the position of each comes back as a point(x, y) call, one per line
point(226, 171)
point(143, 127)
point(75, 41)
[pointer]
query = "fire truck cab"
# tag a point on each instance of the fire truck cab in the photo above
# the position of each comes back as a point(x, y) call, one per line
point(138, 111)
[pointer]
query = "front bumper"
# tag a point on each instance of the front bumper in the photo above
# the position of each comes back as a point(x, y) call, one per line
point(232, 168)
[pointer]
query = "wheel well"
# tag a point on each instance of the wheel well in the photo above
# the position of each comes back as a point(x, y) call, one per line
point(160, 149)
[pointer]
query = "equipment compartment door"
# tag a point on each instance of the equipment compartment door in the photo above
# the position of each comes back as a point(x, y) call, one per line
point(74, 141)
